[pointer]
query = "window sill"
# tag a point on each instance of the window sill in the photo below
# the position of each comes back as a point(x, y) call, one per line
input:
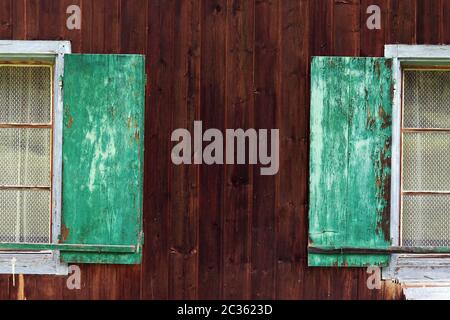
point(44, 263)
point(418, 268)
point(435, 291)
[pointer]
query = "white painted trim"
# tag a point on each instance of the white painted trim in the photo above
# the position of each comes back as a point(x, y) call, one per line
point(436, 292)
point(419, 268)
point(395, 158)
point(34, 47)
point(427, 269)
point(45, 262)
point(403, 51)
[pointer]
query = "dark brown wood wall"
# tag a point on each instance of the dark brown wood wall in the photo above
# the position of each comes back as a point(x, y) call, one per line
point(215, 232)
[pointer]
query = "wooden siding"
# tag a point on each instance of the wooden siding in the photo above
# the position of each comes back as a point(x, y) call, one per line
point(223, 231)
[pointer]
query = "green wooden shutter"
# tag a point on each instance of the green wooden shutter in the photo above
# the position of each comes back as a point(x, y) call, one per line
point(103, 154)
point(350, 150)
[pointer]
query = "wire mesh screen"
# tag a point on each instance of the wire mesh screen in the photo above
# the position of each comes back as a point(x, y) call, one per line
point(25, 156)
point(25, 153)
point(426, 99)
point(426, 158)
point(426, 161)
point(25, 216)
point(426, 220)
point(25, 94)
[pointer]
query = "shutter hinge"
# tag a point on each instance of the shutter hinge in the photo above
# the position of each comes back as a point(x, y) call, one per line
point(60, 82)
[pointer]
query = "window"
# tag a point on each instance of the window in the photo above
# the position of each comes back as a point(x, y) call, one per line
point(25, 152)
point(420, 148)
point(425, 185)
point(379, 169)
point(63, 119)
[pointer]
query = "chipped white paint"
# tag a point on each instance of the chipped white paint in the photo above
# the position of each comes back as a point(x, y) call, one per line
point(27, 262)
point(102, 152)
point(437, 291)
point(404, 51)
point(34, 47)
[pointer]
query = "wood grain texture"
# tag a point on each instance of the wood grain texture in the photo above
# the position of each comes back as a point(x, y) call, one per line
point(292, 178)
point(267, 93)
point(214, 16)
point(239, 113)
point(350, 119)
point(402, 22)
point(184, 207)
point(428, 21)
point(230, 63)
point(103, 146)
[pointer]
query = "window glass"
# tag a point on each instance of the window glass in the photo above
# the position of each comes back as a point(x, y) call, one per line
point(25, 153)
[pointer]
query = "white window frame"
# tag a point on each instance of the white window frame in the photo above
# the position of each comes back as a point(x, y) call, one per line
point(412, 270)
point(42, 262)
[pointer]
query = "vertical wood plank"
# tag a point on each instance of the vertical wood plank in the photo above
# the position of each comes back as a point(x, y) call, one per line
point(238, 178)
point(101, 27)
point(50, 19)
point(445, 19)
point(184, 215)
point(266, 82)
point(428, 21)
point(106, 25)
point(19, 19)
point(6, 19)
point(213, 78)
point(155, 266)
point(402, 21)
point(346, 28)
point(87, 26)
point(294, 126)
point(321, 31)
point(5, 284)
point(133, 16)
point(31, 19)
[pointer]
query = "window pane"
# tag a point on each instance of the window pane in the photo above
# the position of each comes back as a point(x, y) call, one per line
point(25, 156)
point(426, 99)
point(426, 220)
point(25, 94)
point(426, 161)
point(25, 216)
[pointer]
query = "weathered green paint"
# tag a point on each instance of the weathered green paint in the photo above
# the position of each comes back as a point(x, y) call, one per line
point(351, 106)
point(103, 152)
point(68, 247)
point(382, 250)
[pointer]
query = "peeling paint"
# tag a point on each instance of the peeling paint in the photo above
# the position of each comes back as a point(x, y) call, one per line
point(350, 155)
point(103, 171)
